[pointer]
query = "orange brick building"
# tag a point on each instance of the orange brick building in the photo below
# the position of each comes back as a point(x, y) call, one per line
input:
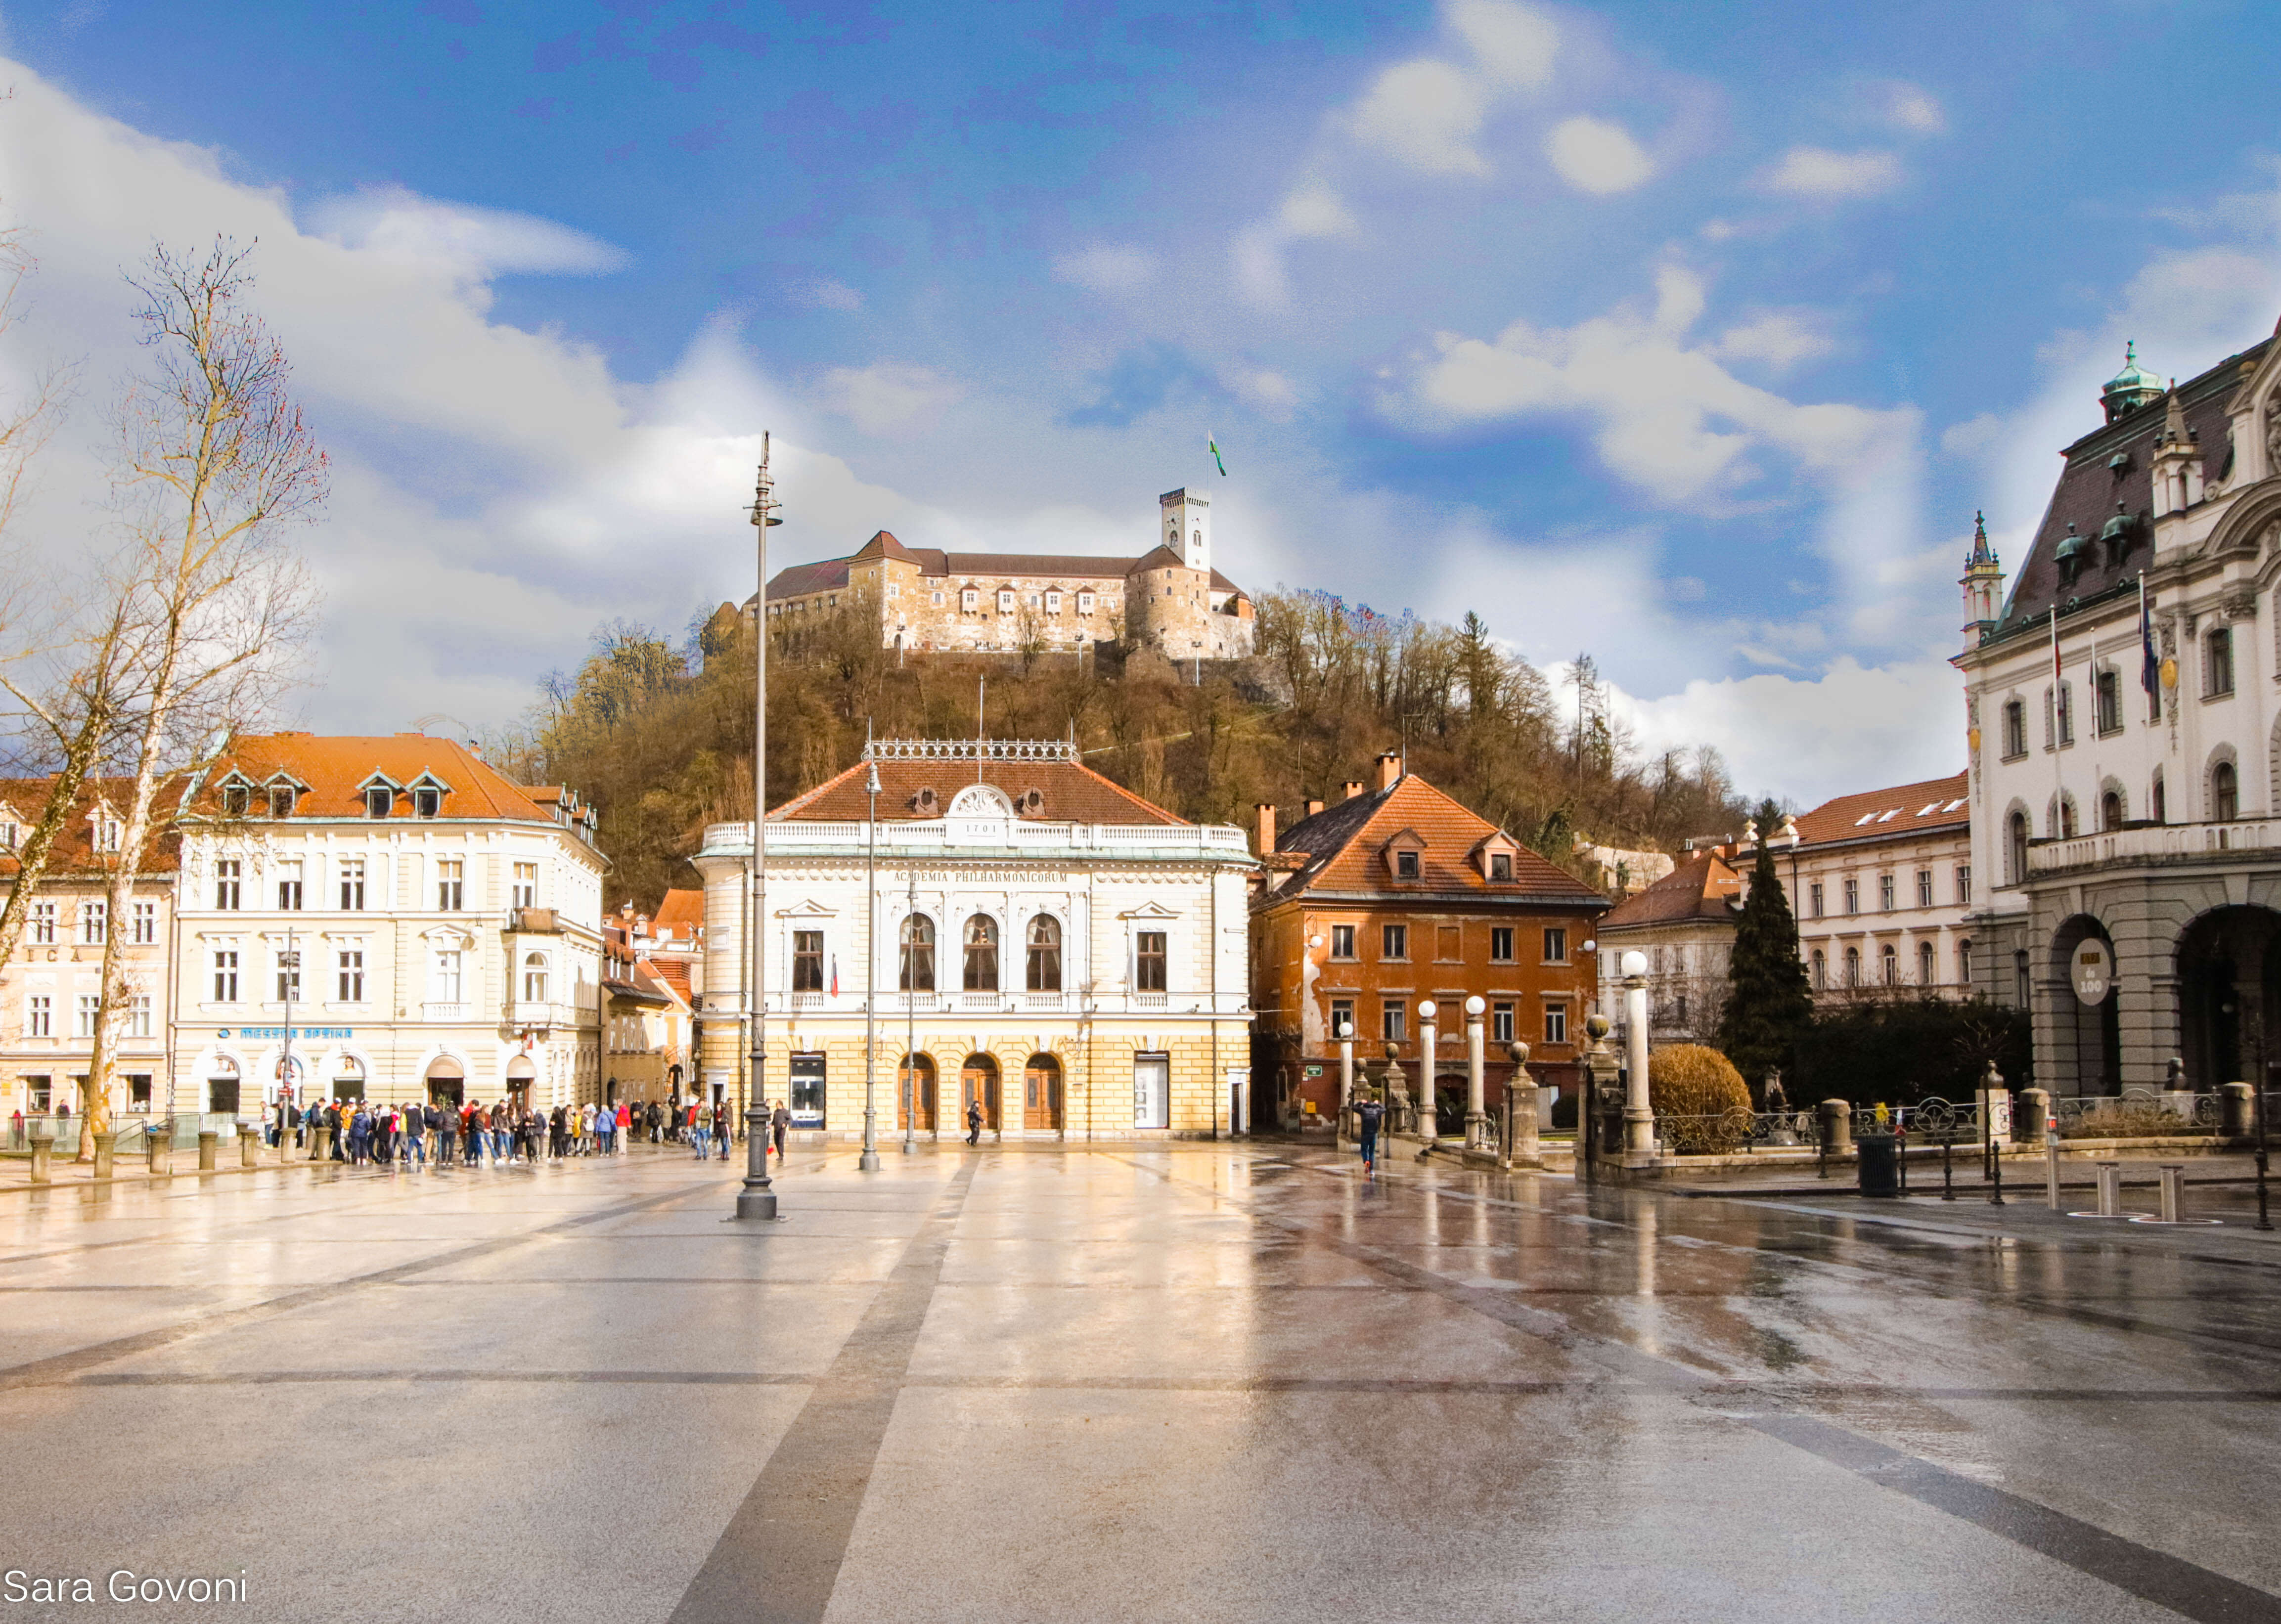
point(1395, 896)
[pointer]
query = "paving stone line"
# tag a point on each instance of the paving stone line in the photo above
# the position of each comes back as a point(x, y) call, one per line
point(46, 1372)
point(778, 1561)
point(2186, 1588)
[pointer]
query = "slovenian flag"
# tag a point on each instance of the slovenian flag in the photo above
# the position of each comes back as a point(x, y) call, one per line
point(1212, 446)
point(835, 975)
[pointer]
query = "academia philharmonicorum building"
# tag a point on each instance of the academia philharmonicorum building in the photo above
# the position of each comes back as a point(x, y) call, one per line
point(1046, 944)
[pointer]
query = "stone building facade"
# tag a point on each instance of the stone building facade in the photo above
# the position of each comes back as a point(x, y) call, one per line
point(2124, 716)
point(1395, 897)
point(50, 989)
point(1685, 923)
point(1046, 944)
point(1881, 883)
point(1170, 599)
point(447, 924)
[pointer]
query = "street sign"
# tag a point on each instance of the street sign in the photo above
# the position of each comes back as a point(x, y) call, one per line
point(2093, 971)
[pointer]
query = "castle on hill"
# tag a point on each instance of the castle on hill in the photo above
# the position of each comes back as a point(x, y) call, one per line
point(1170, 599)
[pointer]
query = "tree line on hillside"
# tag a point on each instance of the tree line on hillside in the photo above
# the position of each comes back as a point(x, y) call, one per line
point(657, 734)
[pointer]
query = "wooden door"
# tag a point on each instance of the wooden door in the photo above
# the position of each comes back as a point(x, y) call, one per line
point(1041, 1093)
point(978, 1080)
point(923, 1101)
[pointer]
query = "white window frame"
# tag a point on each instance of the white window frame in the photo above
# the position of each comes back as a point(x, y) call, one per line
point(39, 1014)
point(348, 975)
point(94, 922)
point(143, 924)
point(351, 873)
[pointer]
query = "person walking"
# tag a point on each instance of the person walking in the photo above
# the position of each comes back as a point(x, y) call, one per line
point(1372, 1114)
point(779, 1126)
point(974, 1122)
point(695, 1134)
point(415, 1136)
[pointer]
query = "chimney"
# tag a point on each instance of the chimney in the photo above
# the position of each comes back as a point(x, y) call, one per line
point(1389, 769)
point(1353, 788)
point(1266, 812)
point(1314, 807)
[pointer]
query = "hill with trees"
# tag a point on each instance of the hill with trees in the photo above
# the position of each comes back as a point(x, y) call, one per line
point(659, 735)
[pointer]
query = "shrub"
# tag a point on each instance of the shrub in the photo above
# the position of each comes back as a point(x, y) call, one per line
point(1898, 1051)
point(1700, 1101)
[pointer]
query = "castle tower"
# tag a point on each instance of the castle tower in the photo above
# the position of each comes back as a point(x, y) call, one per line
point(1984, 586)
point(1186, 528)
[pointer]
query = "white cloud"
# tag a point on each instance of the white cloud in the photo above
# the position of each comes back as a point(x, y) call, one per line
point(1780, 339)
point(1806, 739)
point(1424, 114)
point(1314, 209)
point(1107, 268)
point(1596, 156)
point(828, 295)
point(1913, 108)
point(886, 399)
point(1817, 172)
point(1671, 420)
point(1268, 392)
point(394, 224)
point(1514, 44)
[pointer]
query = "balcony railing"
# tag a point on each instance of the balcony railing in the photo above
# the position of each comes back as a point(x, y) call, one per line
point(2155, 843)
point(437, 1011)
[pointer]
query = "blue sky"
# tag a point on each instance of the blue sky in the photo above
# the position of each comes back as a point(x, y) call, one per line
point(1688, 336)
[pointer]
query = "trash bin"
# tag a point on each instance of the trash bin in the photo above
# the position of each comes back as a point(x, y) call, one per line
point(1879, 1164)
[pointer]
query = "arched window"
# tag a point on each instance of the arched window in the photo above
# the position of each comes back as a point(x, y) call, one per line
point(2225, 794)
point(982, 954)
point(1964, 963)
point(1927, 972)
point(2110, 811)
point(2018, 849)
point(1044, 955)
point(1888, 965)
point(2066, 829)
point(2159, 802)
point(1821, 970)
point(1852, 966)
point(919, 955)
point(533, 977)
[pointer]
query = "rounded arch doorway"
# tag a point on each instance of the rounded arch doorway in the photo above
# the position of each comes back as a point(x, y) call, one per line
point(2230, 996)
point(2086, 1050)
point(915, 1109)
point(977, 1083)
point(1041, 1093)
point(520, 1074)
point(447, 1082)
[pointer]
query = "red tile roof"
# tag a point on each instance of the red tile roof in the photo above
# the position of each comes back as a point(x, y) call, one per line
point(681, 915)
point(1073, 794)
point(73, 852)
point(1343, 842)
point(333, 772)
point(1699, 888)
point(1905, 810)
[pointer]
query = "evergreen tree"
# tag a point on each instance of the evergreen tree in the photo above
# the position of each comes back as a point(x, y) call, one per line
point(1767, 1002)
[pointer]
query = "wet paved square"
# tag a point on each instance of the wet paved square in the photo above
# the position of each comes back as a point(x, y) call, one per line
point(1188, 1383)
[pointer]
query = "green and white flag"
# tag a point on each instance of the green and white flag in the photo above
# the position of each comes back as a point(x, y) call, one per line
point(1212, 446)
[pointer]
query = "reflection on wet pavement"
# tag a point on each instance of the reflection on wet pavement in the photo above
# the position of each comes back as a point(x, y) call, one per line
point(1140, 1382)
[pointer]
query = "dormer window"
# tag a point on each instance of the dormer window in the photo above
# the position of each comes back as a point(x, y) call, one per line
point(1501, 866)
point(1405, 865)
point(237, 800)
point(1030, 802)
point(927, 803)
point(281, 801)
point(427, 802)
point(379, 800)
point(107, 834)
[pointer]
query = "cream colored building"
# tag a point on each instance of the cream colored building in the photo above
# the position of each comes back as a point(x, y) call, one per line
point(447, 924)
point(1063, 953)
point(50, 990)
point(1881, 884)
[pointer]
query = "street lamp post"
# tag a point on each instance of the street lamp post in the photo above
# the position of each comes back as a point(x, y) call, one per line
point(1346, 1081)
point(289, 962)
point(757, 1199)
point(868, 1161)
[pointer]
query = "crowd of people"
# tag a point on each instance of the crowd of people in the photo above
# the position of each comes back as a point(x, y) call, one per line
point(509, 1132)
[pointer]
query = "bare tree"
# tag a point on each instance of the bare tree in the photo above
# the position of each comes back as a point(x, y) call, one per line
point(214, 465)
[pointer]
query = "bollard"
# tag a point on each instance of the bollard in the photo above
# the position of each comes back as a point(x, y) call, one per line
point(2173, 1192)
point(2034, 1115)
point(322, 1138)
point(248, 1141)
point(2238, 1102)
point(1836, 1127)
point(207, 1140)
point(42, 1149)
point(2051, 1167)
point(105, 1144)
point(2110, 1189)
point(161, 1142)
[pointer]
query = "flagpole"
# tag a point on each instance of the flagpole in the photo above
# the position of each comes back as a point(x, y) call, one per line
point(2059, 716)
